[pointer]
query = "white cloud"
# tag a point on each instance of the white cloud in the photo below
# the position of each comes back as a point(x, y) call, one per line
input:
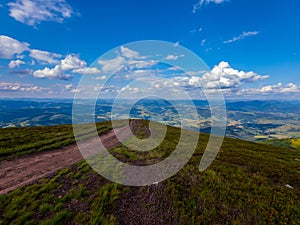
point(126, 59)
point(141, 64)
point(224, 76)
point(174, 68)
point(290, 88)
point(33, 12)
point(271, 89)
point(173, 57)
point(130, 90)
point(176, 44)
point(130, 54)
point(194, 73)
point(15, 63)
point(87, 70)
point(242, 36)
point(203, 42)
point(20, 56)
point(100, 78)
point(72, 62)
point(76, 90)
point(19, 87)
point(44, 56)
point(10, 47)
point(197, 6)
point(200, 29)
point(113, 64)
point(55, 73)
point(69, 87)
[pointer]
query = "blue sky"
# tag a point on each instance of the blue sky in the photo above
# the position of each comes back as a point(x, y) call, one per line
point(251, 46)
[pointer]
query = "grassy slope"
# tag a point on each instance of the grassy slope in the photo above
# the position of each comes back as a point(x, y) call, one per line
point(244, 185)
point(293, 143)
point(15, 142)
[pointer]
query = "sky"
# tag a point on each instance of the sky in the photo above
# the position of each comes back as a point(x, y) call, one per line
point(251, 47)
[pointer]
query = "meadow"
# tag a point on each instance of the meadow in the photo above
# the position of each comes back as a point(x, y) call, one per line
point(248, 183)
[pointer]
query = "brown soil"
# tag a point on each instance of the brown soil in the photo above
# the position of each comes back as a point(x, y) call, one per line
point(145, 205)
point(26, 170)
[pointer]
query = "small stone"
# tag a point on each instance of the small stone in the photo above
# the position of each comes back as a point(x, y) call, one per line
point(289, 186)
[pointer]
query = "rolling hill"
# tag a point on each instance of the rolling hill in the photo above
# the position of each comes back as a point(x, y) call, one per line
point(248, 183)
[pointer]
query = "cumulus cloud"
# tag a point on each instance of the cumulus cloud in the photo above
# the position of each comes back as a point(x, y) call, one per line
point(197, 6)
point(19, 87)
point(126, 58)
point(271, 89)
point(54, 73)
point(224, 76)
point(15, 63)
point(70, 64)
point(44, 56)
point(242, 36)
point(230, 81)
point(10, 47)
point(33, 12)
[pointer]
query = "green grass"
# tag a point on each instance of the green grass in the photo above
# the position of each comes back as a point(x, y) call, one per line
point(61, 199)
point(15, 142)
point(246, 184)
point(296, 143)
point(293, 143)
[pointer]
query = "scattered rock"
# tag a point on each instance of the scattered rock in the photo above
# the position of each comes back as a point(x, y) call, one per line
point(289, 186)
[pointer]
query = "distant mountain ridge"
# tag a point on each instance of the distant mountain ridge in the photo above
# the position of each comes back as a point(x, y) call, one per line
point(249, 120)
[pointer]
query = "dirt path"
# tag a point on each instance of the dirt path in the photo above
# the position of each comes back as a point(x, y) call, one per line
point(25, 170)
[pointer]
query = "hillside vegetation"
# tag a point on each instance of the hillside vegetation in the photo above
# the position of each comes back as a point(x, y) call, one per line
point(293, 143)
point(15, 142)
point(248, 183)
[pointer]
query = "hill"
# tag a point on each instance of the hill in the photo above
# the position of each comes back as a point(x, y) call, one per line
point(293, 143)
point(248, 183)
point(247, 120)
